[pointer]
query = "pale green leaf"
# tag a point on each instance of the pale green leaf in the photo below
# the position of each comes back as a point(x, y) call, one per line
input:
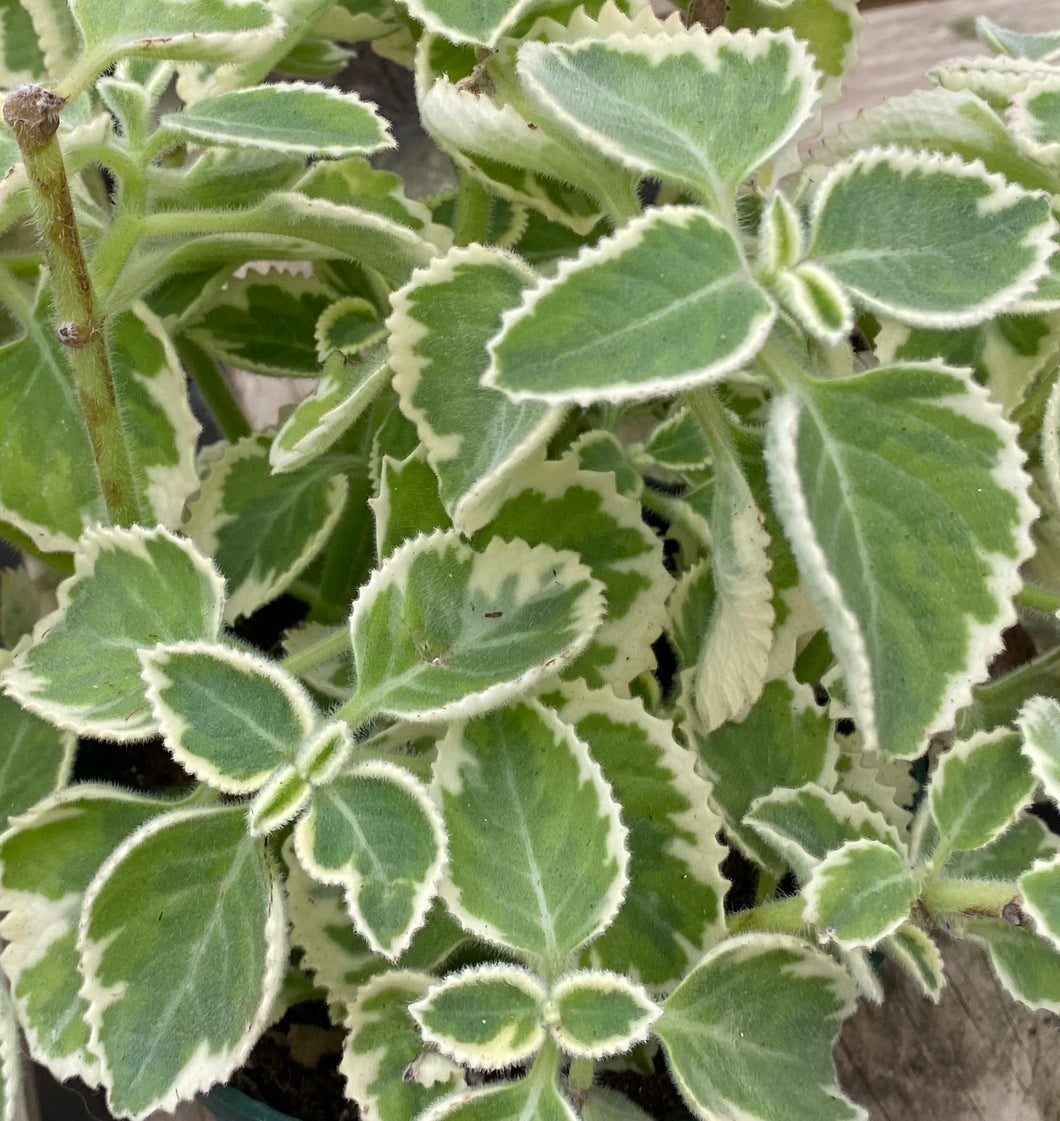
point(780, 235)
point(995, 80)
point(888, 482)
point(388, 1070)
point(325, 753)
point(931, 240)
point(672, 302)
point(977, 790)
point(640, 100)
point(223, 178)
point(21, 60)
point(749, 1033)
point(598, 1014)
point(672, 912)
point(350, 325)
point(678, 443)
point(407, 504)
point(783, 741)
point(81, 669)
point(475, 436)
point(330, 678)
point(487, 1017)
point(280, 799)
point(1040, 891)
point(442, 630)
point(533, 1098)
point(1018, 44)
point(806, 824)
point(374, 832)
point(55, 32)
point(525, 806)
point(1039, 725)
point(47, 860)
point(167, 1025)
point(261, 529)
point(11, 1062)
point(860, 893)
point(1035, 118)
point(919, 956)
point(1026, 965)
point(464, 22)
point(35, 760)
point(345, 389)
point(1008, 855)
point(1050, 444)
point(818, 303)
point(230, 717)
point(312, 120)
point(604, 1104)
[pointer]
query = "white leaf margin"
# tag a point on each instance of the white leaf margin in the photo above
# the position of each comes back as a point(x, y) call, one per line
point(496, 1054)
point(928, 973)
point(430, 19)
point(204, 1068)
point(173, 725)
point(1026, 126)
point(10, 1057)
point(844, 632)
point(1044, 926)
point(601, 980)
point(1039, 726)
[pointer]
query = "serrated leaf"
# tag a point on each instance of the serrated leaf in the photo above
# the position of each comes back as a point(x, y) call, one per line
point(228, 716)
point(817, 301)
point(442, 631)
point(1018, 44)
point(931, 240)
point(640, 100)
point(536, 1096)
point(47, 860)
point(1039, 725)
point(887, 482)
point(349, 325)
point(388, 1070)
point(672, 911)
point(1008, 855)
point(464, 22)
point(678, 443)
point(261, 529)
point(408, 503)
point(283, 796)
point(81, 670)
point(345, 389)
point(1026, 965)
point(1040, 891)
point(168, 1025)
point(918, 955)
point(749, 1033)
point(783, 741)
point(806, 824)
point(557, 504)
point(21, 60)
point(475, 436)
point(672, 302)
point(526, 806)
point(594, 1015)
point(977, 790)
point(1035, 118)
point(35, 760)
point(487, 1017)
point(223, 178)
point(860, 893)
point(374, 832)
point(312, 120)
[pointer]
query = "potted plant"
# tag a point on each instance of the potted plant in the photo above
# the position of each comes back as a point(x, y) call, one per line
point(663, 493)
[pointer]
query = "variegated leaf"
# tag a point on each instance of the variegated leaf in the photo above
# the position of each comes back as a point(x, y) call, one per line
point(407, 504)
point(35, 759)
point(536, 1096)
point(919, 956)
point(1040, 891)
point(1039, 724)
point(1026, 965)
point(593, 1015)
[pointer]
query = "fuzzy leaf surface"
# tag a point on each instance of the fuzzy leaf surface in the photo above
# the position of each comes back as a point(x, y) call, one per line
point(1039, 724)
point(35, 760)
point(464, 22)
point(672, 303)
point(375, 832)
point(594, 1015)
point(919, 956)
point(442, 631)
point(1040, 888)
point(640, 100)
point(167, 1025)
point(526, 806)
point(977, 242)
point(749, 1033)
point(888, 482)
point(1027, 966)
point(533, 1098)
point(81, 671)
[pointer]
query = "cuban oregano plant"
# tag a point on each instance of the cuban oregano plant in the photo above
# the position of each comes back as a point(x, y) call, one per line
point(665, 489)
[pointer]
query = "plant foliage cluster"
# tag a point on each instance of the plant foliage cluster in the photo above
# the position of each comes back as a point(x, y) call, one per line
point(795, 422)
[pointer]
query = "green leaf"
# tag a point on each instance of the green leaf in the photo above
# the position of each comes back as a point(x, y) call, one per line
point(442, 631)
point(487, 1017)
point(595, 1015)
point(860, 893)
point(407, 504)
point(814, 298)
point(1008, 855)
point(345, 389)
point(475, 436)
point(35, 760)
point(463, 22)
point(167, 1025)
point(350, 325)
point(672, 302)
point(640, 100)
point(1039, 725)
point(889, 482)
point(261, 529)
point(54, 29)
point(1035, 119)
point(977, 790)
point(1027, 966)
point(557, 504)
point(280, 799)
point(1040, 889)
point(230, 717)
point(749, 1033)
point(525, 806)
point(325, 753)
point(604, 1104)
point(806, 824)
point(672, 912)
point(21, 60)
point(918, 955)
point(931, 240)
point(374, 832)
point(81, 671)
point(312, 120)
point(533, 1098)
point(10, 1054)
point(388, 1070)
point(1018, 44)
point(47, 860)
point(783, 741)
point(678, 443)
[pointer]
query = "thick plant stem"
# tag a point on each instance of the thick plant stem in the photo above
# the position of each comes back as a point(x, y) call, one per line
point(33, 114)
